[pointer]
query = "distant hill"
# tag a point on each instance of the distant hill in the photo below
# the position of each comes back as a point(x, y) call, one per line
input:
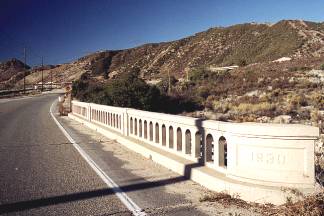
point(235, 45)
point(11, 68)
point(241, 44)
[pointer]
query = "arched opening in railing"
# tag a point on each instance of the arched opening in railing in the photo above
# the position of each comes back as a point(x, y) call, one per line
point(140, 127)
point(163, 135)
point(135, 126)
point(209, 148)
point(157, 135)
point(222, 151)
point(198, 144)
point(117, 121)
point(188, 141)
point(179, 139)
point(108, 119)
point(120, 123)
point(151, 131)
point(145, 129)
point(171, 137)
point(131, 125)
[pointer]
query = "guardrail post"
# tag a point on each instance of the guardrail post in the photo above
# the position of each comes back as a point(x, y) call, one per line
point(89, 112)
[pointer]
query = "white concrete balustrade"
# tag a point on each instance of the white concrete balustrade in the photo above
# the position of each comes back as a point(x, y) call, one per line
point(265, 154)
point(107, 116)
point(172, 133)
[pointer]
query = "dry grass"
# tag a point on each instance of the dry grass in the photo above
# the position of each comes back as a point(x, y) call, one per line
point(311, 206)
point(262, 108)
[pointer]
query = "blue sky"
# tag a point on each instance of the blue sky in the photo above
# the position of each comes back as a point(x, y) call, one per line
point(64, 30)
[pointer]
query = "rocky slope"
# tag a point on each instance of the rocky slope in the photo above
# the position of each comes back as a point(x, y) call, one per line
point(11, 71)
point(235, 45)
point(241, 44)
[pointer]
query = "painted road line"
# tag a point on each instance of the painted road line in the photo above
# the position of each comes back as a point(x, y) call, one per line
point(127, 201)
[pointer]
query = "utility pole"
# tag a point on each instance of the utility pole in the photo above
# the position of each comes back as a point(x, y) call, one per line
point(42, 74)
point(187, 75)
point(51, 80)
point(169, 83)
point(25, 70)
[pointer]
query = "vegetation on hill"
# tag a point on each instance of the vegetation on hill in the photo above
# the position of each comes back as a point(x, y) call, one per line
point(130, 91)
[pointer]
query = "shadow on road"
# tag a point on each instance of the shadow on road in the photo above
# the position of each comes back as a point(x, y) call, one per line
point(36, 203)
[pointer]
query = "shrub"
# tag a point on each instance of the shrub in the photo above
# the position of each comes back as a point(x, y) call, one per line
point(315, 117)
point(241, 62)
point(163, 85)
point(317, 100)
point(130, 91)
point(203, 91)
point(322, 67)
point(221, 106)
point(298, 100)
point(263, 108)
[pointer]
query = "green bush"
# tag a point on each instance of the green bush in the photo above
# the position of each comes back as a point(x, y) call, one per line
point(322, 67)
point(130, 91)
point(163, 85)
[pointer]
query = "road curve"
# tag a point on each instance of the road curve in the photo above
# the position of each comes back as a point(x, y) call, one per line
point(41, 173)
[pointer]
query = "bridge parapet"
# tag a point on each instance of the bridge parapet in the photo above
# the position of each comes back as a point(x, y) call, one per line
point(265, 154)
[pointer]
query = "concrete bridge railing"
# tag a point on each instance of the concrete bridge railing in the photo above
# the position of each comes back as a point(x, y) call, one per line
point(265, 154)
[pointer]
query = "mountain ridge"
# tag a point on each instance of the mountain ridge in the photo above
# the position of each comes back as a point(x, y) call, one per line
point(240, 44)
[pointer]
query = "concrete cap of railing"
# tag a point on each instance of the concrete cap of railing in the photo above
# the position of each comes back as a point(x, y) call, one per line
point(107, 108)
point(165, 117)
point(264, 129)
point(79, 103)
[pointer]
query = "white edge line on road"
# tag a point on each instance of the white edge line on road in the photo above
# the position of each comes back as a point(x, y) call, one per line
point(128, 202)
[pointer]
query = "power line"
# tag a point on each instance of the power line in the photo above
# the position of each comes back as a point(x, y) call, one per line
point(42, 75)
point(25, 70)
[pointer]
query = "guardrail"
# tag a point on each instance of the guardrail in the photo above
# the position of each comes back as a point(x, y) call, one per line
point(267, 154)
point(4, 93)
point(14, 92)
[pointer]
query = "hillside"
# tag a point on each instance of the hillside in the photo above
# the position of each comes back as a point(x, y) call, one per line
point(241, 44)
point(11, 71)
point(235, 45)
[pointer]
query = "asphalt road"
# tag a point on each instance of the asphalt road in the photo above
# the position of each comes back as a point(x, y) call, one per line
point(41, 173)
